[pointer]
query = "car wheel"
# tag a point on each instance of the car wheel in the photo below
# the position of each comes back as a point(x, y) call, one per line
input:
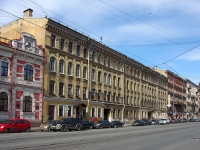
point(78, 128)
point(49, 129)
point(91, 127)
point(7, 131)
point(115, 126)
point(27, 130)
point(63, 129)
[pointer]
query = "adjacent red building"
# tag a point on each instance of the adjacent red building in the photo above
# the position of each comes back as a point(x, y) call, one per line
point(21, 78)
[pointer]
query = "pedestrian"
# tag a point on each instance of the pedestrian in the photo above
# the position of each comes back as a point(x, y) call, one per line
point(95, 119)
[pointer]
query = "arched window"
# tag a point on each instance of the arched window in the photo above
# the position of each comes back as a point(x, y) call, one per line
point(93, 75)
point(109, 79)
point(28, 72)
point(99, 76)
point(118, 82)
point(77, 71)
point(85, 73)
point(61, 66)
point(104, 78)
point(52, 64)
point(114, 81)
point(69, 68)
point(27, 104)
point(3, 101)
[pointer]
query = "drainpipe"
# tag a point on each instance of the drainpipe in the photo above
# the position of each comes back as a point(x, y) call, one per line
point(88, 100)
point(12, 83)
point(43, 50)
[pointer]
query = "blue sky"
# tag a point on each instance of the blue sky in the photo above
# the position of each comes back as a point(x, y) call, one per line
point(162, 33)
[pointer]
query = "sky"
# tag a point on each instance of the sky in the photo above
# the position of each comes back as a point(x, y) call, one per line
point(162, 33)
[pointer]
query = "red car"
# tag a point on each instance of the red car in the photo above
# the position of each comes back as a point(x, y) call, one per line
point(15, 125)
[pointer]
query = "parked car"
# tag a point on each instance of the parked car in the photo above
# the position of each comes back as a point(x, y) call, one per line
point(194, 120)
point(46, 126)
point(154, 122)
point(15, 125)
point(67, 124)
point(116, 124)
point(147, 121)
point(164, 121)
point(87, 124)
point(102, 124)
point(138, 123)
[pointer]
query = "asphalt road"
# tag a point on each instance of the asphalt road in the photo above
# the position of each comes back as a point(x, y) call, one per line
point(183, 136)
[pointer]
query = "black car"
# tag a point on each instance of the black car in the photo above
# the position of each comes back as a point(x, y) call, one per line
point(67, 124)
point(102, 124)
point(138, 123)
point(155, 122)
point(87, 124)
point(116, 124)
point(147, 121)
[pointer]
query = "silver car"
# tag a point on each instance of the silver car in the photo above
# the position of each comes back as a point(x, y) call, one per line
point(164, 121)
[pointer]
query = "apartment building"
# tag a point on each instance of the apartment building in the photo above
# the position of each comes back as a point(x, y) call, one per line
point(21, 78)
point(84, 78)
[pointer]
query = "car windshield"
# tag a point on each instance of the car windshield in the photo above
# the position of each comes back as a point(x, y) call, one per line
point(114, 121)
point(99, 121)
point(6, 122)
point(137, 121)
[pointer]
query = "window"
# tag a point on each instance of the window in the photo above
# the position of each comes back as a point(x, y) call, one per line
point(27, 104)
point(108, 96)
point(114, 81)
point(99, 95)
point(3, 101)
point(104, 95)
point(52, 64)
point(70, 47)
point(99, 59)
point(22, 121)
point(70, 90)
point(109, 80)
point(93, 112)
point(77, 71)
point(60, 110)
point(93, 56)
point(28, 72)
point(118, 66)
point(61, 66)
point(84, 92)
point(77, 91)
point(104, 62)
point(118, 82)
point(99, 76)
point(53, 39)
point(4, 68)
point(69, 68)
point(104, 78)
point(113, 65)
point(108, 62)
point(85, 73)
point(93, 75)
point(51, 87)
point(78, 50)
point(85, 53)
point(99, 112)
point(69, 111)
point(62, 41)
point(61, 88)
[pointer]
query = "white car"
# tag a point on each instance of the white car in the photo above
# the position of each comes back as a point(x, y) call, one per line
point(164, 121)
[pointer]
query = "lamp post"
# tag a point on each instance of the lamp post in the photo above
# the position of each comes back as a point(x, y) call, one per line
point(88, 72)
point(173, 96)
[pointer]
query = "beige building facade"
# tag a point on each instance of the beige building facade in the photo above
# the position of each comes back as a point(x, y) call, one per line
point(84, 78)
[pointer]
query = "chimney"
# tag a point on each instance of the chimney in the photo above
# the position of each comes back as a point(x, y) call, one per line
point(28, 13)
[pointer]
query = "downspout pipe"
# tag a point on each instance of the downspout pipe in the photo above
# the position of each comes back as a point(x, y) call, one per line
point(44, 61)
point(11, 81)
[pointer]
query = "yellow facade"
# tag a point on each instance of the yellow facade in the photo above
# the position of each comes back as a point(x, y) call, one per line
point(111, 87)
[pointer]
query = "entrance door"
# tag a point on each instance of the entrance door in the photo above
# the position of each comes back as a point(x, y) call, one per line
point(51, 112)
point(106, 114)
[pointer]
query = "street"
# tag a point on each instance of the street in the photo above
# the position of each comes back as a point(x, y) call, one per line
point(182, 136)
